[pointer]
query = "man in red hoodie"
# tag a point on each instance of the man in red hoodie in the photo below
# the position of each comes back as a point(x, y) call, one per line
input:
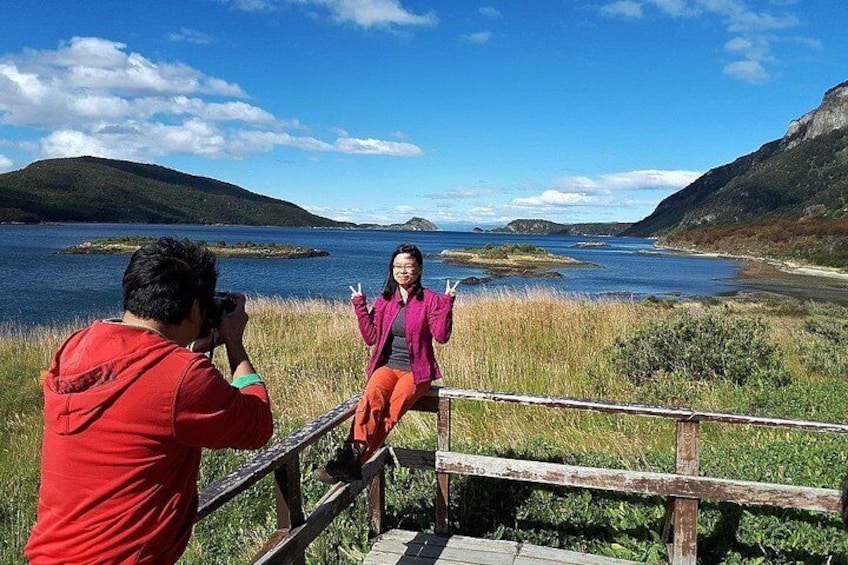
point(127, 409)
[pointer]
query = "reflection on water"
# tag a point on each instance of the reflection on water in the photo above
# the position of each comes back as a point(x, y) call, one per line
point(38, 285)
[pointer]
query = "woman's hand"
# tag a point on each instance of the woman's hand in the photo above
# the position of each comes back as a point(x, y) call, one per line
point(355, 292)
point(451, 290)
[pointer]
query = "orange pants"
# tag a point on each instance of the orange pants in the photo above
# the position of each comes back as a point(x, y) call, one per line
point(388, 395)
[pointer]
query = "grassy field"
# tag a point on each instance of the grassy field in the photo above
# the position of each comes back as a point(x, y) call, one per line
point(778, 359)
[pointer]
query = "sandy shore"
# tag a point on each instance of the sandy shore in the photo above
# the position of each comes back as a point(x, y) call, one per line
point(803, 282)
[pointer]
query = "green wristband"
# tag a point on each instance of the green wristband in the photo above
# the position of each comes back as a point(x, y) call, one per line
point(247, 380)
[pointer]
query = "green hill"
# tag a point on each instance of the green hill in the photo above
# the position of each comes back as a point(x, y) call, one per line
point(91, 189)
point(787, 200)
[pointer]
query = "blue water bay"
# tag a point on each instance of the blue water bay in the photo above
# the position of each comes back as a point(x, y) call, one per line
point(41, 286)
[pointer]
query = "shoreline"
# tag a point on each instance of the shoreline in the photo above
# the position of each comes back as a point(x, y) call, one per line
point(761, 274)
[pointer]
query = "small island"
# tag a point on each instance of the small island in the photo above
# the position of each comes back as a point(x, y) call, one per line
point(248, 249)
point(511, 260)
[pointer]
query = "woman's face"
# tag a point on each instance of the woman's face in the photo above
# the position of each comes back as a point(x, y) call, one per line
point(405, 270)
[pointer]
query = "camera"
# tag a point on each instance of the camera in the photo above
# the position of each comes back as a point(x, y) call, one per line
point(222, 304)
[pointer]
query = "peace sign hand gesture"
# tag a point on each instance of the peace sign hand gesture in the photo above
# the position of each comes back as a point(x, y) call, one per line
point(451, 290)
point(354, 292)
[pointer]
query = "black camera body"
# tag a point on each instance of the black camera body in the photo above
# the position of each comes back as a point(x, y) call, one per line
point(222, 304)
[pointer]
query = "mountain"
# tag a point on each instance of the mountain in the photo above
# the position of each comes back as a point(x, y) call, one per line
point(545, 227)
point(413, 224)
point(787, 200)
point(92, 189)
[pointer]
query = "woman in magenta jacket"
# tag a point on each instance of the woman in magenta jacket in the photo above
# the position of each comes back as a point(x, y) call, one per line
point(401, 327)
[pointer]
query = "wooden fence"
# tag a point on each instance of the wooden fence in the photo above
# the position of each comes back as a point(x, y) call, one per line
point(685, 487)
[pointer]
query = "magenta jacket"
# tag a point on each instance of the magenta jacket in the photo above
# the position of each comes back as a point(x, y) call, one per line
point(427, 318)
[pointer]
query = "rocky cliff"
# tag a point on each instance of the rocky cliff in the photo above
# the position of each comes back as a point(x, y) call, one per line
point(804, 174)
point(831, 115)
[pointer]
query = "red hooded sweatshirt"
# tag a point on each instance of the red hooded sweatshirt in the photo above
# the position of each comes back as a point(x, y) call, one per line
point(126, 414)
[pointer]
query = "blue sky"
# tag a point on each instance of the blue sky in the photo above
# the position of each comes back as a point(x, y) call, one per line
point(465, 113)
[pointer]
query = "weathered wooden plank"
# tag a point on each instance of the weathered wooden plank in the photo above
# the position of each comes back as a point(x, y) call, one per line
point(377, 501)
point(287, 493)
point(289, 501)
point(539, 555)
point(338, 498)
point(383, 558)
point(684, 549)
point(446, 549)
point(427, 403)
point(443, 426)
point(636, 410)
point(225, 489)
point(456, 552)
point(414, 458)
point(415, 548)
point(662, 484)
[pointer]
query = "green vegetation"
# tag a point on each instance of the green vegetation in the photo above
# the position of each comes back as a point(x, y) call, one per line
point(127, 245)
point(813, 242)
point(311, 355)
point(523, 260)
point(491, 251)
point(90, 189)
point(705, 346)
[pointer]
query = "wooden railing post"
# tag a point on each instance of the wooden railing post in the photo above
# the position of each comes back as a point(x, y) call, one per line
point(684, 549)
point(443, 418)
point(289, 502)
point(377, 501)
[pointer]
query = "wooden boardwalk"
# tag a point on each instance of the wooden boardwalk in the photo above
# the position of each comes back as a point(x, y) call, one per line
point(402, 547)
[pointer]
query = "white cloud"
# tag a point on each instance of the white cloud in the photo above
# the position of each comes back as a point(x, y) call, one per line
point(613, 189)
point(553, 198)
point(646, 179)
point(748, 71)
point(70, 143)
point(187, 35)
point(490, 12)
point(623, 8)
point(372, 13)
point(94, 97)
point(478, 38)
point(756, 30)
point(370, 146)
point(257, 6)
point(5, 163)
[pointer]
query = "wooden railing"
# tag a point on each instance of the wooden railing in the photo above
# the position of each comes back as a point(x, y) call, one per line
point(685, 487)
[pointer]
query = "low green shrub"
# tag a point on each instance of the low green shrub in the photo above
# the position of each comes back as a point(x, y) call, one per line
point(823, 344)
point(706, 347)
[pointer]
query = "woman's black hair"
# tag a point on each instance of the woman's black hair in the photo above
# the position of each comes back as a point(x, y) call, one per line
point(391, 286)
point(164, 278)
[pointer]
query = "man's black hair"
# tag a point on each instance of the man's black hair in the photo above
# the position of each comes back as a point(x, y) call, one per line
point(165, 277)
point(391, 285)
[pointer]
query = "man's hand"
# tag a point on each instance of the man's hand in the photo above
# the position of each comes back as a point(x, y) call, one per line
point(233, 323)
point(232, 334)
